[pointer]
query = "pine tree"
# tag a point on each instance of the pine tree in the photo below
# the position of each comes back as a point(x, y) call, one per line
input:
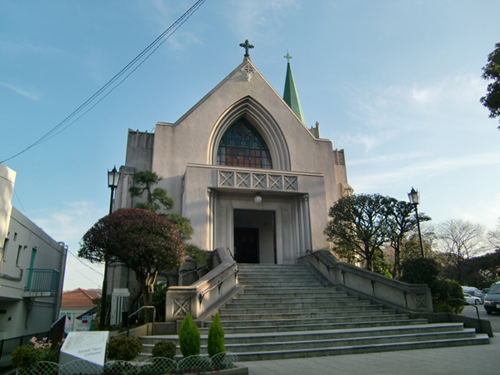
point(215, 337)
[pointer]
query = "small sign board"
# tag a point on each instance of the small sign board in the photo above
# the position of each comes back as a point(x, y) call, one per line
point(88, 346)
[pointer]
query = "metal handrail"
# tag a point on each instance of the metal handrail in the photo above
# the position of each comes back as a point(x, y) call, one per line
point(465, 303)
point(204, 292)
point(136, 312)
point(198, 270)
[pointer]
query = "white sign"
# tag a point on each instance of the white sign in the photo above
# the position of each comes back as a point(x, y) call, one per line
point(89, 346)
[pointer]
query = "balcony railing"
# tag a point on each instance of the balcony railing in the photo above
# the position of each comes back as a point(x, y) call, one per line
point(42, 280)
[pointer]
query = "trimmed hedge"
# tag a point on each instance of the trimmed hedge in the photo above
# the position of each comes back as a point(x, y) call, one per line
point(124, 348)
point(164, 349)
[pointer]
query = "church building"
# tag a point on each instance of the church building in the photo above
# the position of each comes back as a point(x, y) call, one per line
point(243, 166)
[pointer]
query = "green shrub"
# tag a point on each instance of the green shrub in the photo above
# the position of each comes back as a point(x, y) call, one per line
point(25, 355)
point(425, 271)
point(164, 349)
point(199, 256)
point(189, 337)
point(215, 337)
point(442, 292)
point(124, 348)
point(420, 271)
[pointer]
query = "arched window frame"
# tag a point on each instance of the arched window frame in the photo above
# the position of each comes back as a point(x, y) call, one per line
point(262, 121)
point(243, 146)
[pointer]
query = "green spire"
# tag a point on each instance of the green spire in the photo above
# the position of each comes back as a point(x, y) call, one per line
point(290, 95)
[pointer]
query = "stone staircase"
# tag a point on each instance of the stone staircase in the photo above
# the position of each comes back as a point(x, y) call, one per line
point(286, 312)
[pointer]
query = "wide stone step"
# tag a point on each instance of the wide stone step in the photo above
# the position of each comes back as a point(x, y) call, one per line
point(311, 300)
point(291, 293)
point(333, 334)
point(340, 333)
point(285, 312)
point(280, 283)
point(297, 304)
point(356, 341)
point(279, 273)
point(288, 277)
point(245, 329)
point(279, 321)
point(308, 342)
point(275, 315)
point(370, 348)
point(323, 311)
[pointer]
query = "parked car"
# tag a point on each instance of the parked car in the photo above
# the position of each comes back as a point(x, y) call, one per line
point(472, 291)
point(472, 299)
point(484, 292)
point(492, 299)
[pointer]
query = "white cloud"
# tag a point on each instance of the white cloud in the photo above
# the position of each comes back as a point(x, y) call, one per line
point(423, 168)
point(483, 211)
point(29, 94)
point(368, 141)
point(11, 47)
point(181, 40)
point(419, 104)
point(390, 158)
point(254, 18)
point(70, 224)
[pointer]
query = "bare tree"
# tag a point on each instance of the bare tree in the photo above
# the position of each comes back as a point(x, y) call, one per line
point(493, 237)
point(460, 240)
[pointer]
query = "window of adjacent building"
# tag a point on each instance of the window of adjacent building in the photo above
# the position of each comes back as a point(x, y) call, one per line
point(243, 146)
point(19, 250)
point(5, 243)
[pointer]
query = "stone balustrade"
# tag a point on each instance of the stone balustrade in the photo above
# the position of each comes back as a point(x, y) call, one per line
point(205, 293)
point(411, 297)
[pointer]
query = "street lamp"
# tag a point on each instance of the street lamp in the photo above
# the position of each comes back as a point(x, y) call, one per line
point(113, 177)
point(414, 197)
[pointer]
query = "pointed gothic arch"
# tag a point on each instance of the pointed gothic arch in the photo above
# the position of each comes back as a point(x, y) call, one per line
point(252, 111)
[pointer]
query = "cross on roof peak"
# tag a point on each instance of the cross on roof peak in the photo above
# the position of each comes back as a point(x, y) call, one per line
point(247, 46)
point(287, 56)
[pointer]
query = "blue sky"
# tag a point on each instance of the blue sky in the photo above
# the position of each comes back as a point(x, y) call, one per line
point(396, 84)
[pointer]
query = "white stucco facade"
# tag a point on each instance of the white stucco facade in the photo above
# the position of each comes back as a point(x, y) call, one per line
point(32, 268)
point(306, 178)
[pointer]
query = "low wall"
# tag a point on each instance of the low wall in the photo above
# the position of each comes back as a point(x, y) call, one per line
point(201, 296)
point(410, 297)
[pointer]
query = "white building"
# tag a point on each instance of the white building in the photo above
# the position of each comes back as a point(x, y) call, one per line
point(32, 268)
point(243, 166)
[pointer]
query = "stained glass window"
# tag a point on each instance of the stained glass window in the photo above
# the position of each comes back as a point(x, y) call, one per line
point(243, 146)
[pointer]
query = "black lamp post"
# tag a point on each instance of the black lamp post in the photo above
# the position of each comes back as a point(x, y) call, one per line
point(414, 197)
point(113, 177)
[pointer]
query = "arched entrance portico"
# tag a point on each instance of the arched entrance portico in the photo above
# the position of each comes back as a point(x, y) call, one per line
point(281, 219)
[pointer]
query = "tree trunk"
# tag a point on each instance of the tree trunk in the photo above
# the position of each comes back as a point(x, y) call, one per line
point(397, 257)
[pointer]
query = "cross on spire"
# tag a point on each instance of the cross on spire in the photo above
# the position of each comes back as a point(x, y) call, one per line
point(287, 56)
point(247, 46)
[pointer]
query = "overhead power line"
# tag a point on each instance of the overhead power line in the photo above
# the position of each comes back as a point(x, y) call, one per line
point(86, 265)
point(114, 82)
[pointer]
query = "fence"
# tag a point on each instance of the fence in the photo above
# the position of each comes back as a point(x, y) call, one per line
point(151, 366)
point(42, 280)
point(8, 345)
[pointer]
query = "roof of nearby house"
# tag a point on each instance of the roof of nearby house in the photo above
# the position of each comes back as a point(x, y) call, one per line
point(80, 297)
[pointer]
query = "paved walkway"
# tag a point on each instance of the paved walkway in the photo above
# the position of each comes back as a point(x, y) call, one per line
point(484, 359)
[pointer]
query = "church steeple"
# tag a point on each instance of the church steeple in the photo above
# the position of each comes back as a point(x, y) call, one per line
point(290, 95)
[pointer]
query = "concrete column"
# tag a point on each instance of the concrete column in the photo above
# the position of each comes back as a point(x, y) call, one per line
point(307, 217)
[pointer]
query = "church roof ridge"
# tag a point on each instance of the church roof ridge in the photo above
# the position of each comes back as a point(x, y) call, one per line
point(246, 64)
